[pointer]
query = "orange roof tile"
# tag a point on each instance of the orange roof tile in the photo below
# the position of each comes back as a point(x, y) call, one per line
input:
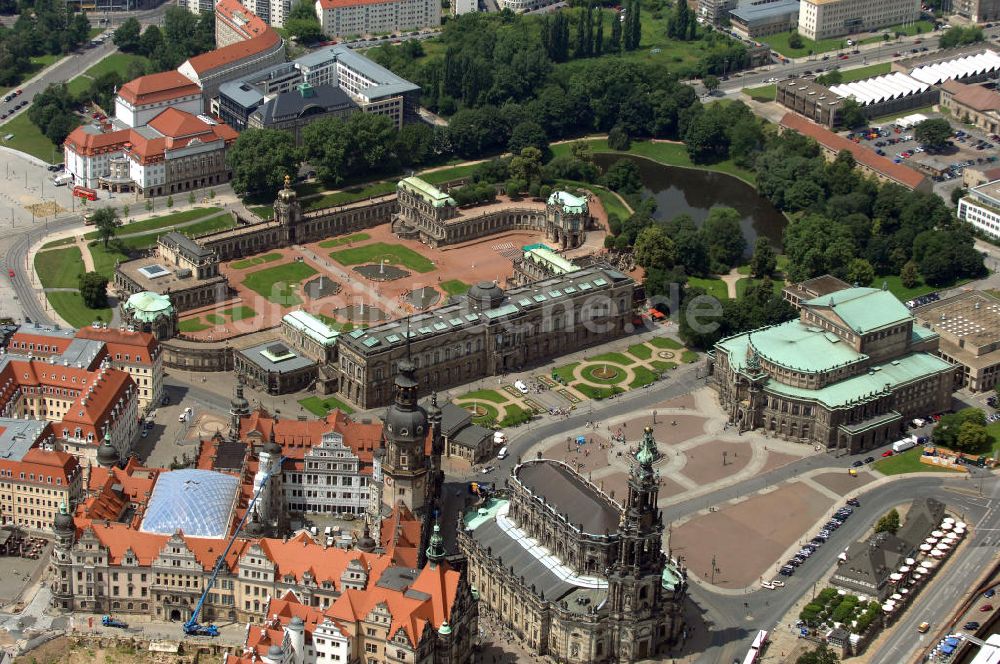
point(220, 57)
point(239, 18)
point(123, 341)
point(88, 143)
point(903, 175)
point(301, 554)
point(24, 341)
point(297, 437)
point(156, 88)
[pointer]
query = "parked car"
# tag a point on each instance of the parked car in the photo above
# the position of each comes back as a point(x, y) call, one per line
point(887, 453)
point(787, 570)
point(923, 627)
point(767, 584)
point(971, 626)
point(857, 464)
point(777, 583)
point(986, 607)
point(990, 593)
point(853, 502)
point(870, 459)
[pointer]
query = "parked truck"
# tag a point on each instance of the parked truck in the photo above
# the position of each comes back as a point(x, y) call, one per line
point(905, 444)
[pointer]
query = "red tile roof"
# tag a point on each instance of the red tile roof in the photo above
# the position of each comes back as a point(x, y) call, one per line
point(24, 341)
point(899, 173)
point(156, 88)
point(220, 57)
point(135, 344)
point(298, 437)
point(44, 467)
point(239, 18)
point(89, 143)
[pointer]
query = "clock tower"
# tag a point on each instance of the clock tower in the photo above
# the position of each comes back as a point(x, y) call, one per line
point(405, 468)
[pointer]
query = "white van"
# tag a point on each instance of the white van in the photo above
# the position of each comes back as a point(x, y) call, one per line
point(182, 417)
point(520, 386)
point(502, 454)
point(328, 531)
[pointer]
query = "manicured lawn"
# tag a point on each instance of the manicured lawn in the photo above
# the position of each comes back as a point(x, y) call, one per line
point(612, 204)
point(77, 86)
point(28, 138)
point(909, 29)
point(994, 430)
point(643, 376)
point(666, 343)
point(341, 241)
point(605, 374)
point(484, 395)
point(118, 62)
point(907, 462)
point(454, 287)
point(256, 260)
point(278, 284)
point(763, 92)
point(895, 286)
point(159, 222)
point(858, 73)
point(642, 351)
point(616, 358)
point(221, 222)
point(689, 356)
point(40, 62)
point(70, 306)
point(265, 212)
point(448, 174)
point(192, 325)
point(741, 285)
point(661, 365)
point(489, 415)
point(215, 319)
point(59, 243)
point(352, 195)
point(320, 407)
point(59, 268)
point(396, 254)
point(239, 313)
point(598, 392)
point(104, 259)
point(715, 287)
point(779, 43)
point(566, 371)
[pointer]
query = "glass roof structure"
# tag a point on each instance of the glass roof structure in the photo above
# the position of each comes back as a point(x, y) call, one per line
point(198, 502)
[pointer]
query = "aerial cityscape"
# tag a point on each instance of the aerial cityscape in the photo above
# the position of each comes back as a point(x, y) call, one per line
point(500, 331)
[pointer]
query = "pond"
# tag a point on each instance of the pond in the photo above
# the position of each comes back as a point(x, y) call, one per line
point(694, 192)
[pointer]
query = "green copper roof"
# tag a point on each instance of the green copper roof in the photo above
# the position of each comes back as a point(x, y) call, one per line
point(864, 309)
point(647, 453)
point(570, 204)
point(427, 191)
point(900, 371)
point(148, 306)
point(556, 263)
point(793, 345)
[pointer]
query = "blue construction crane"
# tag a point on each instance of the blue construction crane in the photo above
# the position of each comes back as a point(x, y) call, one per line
point(192, 627)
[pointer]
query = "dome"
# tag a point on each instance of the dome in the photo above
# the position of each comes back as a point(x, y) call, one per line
point(366, 543)
point(405, 423)
point(486, 294)
point(198, 502)
point(63, 521)
point(296, 624)
point(569, 203)
point(272, 448)
point(147, 306)
point(107, 455)
point(275, 651)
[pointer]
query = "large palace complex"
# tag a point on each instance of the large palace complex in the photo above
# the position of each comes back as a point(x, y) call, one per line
point(551, 305)
point(847, 374)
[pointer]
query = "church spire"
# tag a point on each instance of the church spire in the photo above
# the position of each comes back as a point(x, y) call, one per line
point(435, 550)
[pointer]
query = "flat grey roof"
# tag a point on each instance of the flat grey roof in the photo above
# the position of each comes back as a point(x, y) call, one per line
point(473, 435)
point(387, 83)
point(47, 330)
point(568, 493)
point(754, 13)
point(82, 351)
point(256, 355)
point(186, 244)
point(241, 92)
point(17, 436)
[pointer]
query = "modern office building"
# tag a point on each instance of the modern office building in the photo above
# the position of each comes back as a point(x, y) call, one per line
point(981, 208)
point(847, 374)
point(575, 575)
point(969, 326)
point(755, 20)
point(824, 19)
point(341, 18)
point(977, 11)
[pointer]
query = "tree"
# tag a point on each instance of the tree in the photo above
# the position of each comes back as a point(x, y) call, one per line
point(126, 37)
point(415, 144)
point(653, 248)
point(956, 195)
point(107, 222)
point(260, 159)
point(526, 167)
point(150, 41)
point(706, 138)
point(933, 133)
point(764, 261)
point(795, 40)
point(819, 655)
point(623, 177)
point(852, 115)
point(949, 427)
point(618, 138)
point(303, 24)
point(958, 36)
point(973, 438)
point(860, 272)
point(170, 201)
point(94, 290)
point(724, 237)
point(711, 83)
point(528, 134)
point(889, 523)
point(909, 276)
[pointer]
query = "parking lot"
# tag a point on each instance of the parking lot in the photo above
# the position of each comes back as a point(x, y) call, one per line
point(970, 147)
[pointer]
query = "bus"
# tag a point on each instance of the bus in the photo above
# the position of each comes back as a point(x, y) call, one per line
point(756, 648)
point(84, 192)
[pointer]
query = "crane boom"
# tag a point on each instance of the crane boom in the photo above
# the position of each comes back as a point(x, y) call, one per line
point(192, 627)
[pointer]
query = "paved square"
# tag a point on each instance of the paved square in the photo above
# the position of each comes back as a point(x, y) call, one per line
point(715, 460)
point(769, 522)
point(842, 482)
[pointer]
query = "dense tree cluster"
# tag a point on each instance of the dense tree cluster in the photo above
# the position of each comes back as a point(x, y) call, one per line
point(260, 159)
point(303, 24)
point(184, 35)
point(838, 215)
point(715, 131)
point(703, 324)
point(43, 27)
point(959, 36)
point(888, 523)
point(499, 59)
point(52, 112)
point(964, 431)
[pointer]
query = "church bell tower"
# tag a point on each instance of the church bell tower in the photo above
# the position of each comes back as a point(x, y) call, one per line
point(405, 471)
